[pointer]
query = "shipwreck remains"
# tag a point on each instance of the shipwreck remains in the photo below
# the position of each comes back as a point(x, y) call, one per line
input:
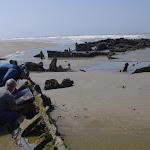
point(31, 66)
point(68, 53)
point(125, 67)
point(114, 45)
point(40, 126)
point(106, 47)
point(144, 69)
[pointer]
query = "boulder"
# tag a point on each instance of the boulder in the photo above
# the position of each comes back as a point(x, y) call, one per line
point(53, 65)
point(66, 83)
point(34, 66)
point(51, 84)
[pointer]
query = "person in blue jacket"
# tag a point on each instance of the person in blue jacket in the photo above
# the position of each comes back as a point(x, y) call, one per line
point(8, 71)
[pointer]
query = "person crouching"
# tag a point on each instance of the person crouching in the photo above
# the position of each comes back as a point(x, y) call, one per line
point(8, 108)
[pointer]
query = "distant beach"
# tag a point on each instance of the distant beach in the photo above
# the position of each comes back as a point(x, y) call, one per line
point(8, 47)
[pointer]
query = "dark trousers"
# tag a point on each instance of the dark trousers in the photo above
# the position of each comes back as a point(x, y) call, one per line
point(8, 116)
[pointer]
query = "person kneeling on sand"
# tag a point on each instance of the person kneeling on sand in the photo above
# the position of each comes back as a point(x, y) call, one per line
point(8, 108)
point(8, 71)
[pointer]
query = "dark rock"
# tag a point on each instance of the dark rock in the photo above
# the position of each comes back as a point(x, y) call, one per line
point(82, 70)
point(144, 69)
point(66, 83)
point(125, 67)
point(41, 55)
point(83, 47)
point(51, 84)
point(53, 65)
point(14, 62)
point(34, 66)
point(116, 45)
point(102, 46)
point(110, 57)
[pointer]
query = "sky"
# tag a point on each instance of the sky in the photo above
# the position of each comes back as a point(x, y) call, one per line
point(29, 18)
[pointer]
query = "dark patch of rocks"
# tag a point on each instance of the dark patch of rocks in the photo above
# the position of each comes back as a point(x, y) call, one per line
point(53, 84)
point(114, 45)
point(34, 66)
point(144, 69)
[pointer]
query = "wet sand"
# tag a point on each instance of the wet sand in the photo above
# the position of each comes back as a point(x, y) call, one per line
point(98, 113)
point(11, 47)
point(6, 141)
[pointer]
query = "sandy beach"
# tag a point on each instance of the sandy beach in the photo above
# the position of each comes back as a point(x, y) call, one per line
point(98, 112)
point(11, 47)
point(103, 110)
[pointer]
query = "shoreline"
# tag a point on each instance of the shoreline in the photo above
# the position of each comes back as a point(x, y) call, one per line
point(12, 47)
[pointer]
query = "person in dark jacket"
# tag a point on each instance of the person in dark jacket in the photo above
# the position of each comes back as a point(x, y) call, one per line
point(8, 71)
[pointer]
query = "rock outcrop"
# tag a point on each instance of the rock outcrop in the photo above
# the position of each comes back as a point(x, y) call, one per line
point(114, 45)
point(144, 69)
point(34, 66)
point(53, 65)
point(53, 84)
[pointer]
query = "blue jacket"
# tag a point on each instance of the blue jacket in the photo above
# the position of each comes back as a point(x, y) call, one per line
point(8, 71)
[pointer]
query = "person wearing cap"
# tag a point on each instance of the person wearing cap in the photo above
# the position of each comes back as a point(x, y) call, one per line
point(8, 71)
point(8, 108)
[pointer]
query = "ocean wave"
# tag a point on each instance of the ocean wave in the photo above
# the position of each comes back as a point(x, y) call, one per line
point(80, 37)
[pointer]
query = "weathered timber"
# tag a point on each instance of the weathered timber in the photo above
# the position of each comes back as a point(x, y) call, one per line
point(114, 45)
point(144, 69)
point(75, 54)
point(125, 67)
point(41, 123)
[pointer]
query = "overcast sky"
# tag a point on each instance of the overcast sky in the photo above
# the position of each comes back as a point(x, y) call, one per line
point(27, 18)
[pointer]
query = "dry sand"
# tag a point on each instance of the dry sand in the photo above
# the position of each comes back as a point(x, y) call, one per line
point(11, 47)
point(98, 113)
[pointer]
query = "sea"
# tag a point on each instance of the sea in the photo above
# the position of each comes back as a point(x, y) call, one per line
point(136, 59)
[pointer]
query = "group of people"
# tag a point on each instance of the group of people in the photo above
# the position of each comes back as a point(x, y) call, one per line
point(9, 74)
